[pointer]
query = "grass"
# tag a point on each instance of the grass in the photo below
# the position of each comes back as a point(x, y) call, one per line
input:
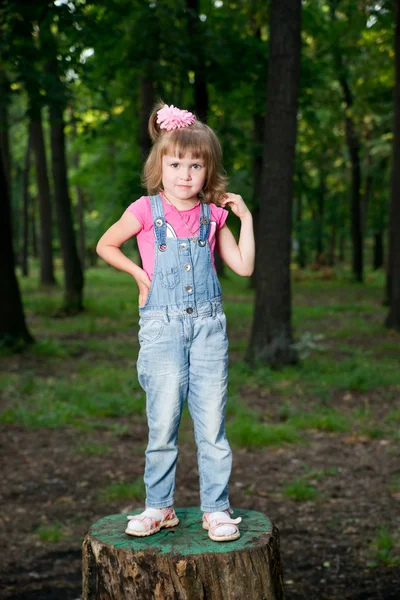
point(92, 448)
point(122, 491)
point(385, 548)
point(248, 432)
point(394, 485)
point(50, 533)
point(92, 391)
point(82, 369)
point(300, 491)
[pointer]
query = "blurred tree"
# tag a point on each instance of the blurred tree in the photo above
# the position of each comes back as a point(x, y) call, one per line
point(13, 329)
point(393, 318)
point(353, 143)
point(271, 337)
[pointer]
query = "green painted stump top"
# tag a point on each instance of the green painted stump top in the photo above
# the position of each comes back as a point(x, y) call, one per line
point(188, 537)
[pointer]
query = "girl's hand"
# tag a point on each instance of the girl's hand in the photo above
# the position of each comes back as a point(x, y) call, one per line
point(236, 203)
point(144, 284)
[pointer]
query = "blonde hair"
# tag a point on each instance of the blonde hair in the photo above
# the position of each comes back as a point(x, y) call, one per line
point(197, 139)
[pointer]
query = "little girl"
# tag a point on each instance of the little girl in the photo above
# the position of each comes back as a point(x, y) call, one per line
point(183, 342)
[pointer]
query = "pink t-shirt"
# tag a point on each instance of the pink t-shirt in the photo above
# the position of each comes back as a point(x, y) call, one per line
point(175, 227)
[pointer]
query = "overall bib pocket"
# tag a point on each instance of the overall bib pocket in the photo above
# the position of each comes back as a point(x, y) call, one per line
point(169, 278)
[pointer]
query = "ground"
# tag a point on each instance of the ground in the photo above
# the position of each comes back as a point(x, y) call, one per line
point(334, 495)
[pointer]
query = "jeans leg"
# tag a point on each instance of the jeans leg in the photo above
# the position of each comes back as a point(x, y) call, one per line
point(163, 374)
point(208, 380)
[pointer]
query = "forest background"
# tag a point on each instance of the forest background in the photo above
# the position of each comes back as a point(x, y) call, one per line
point(78, 80)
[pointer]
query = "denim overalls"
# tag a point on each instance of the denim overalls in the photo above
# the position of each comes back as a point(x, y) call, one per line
point(184, 354)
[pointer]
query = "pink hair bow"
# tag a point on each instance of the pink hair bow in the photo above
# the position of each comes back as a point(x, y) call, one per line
point(170, 117)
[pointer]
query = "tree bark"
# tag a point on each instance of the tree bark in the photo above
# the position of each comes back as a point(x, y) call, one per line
point(13, 329)
point(319, 220)
point(378, 257)
point(80, 205)
point(147, 101)
point(197, 56)
point(271, 339)
point(45, 208)
point(301, 251)
point(332, 247)
point(258, 140)
point(33, 231)
point(25, 209)
point(182, 563)
point(353, 144)
point(393, 317)
point(4, 141)
point(73, 289)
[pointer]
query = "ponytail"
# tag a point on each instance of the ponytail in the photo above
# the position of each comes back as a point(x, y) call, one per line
point(154, 127)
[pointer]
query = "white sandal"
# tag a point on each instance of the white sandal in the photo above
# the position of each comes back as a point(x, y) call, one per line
point(150, 521)
point(214, 520)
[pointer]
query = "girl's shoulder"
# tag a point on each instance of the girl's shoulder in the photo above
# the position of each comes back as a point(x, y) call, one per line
point(142, 210)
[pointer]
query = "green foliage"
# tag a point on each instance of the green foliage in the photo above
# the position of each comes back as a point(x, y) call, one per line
point(229, 47)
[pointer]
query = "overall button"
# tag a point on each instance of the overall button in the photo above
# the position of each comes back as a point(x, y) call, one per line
point(187, 267)
point(189, 310)
point(189, 289)
point(183, 246)
point(159, 222)
point(202, 243)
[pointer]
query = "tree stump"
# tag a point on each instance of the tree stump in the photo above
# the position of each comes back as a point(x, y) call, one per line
point(182, 563)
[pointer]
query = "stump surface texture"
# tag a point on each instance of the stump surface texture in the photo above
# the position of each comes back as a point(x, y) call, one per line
point(182, 563)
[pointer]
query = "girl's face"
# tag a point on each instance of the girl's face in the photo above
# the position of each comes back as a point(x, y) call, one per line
point(182, 178)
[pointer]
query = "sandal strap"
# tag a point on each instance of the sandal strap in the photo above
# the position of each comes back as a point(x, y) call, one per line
point(217, 522)
point(150, 518)
point(220, 519)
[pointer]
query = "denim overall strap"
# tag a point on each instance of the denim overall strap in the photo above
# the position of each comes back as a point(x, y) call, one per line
point(160, 226)
point(205, 218)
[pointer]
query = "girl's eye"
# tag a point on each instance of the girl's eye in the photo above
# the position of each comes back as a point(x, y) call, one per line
point(197, 167)
point(174, 165)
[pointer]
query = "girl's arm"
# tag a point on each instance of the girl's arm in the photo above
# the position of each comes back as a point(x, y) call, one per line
point(109, 248)
point(238, 256)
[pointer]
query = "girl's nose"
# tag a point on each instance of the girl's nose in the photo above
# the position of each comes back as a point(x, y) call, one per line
point(185, 175)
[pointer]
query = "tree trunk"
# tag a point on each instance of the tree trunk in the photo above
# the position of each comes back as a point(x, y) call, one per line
point(353, 144)
point(342, 247)
point(367, 195)
point(258, 142)
point(332, 247)
point(80, 205)
point(13, 329)
point(393, 317)
point(197, 56)
point(319, 221)
point(32, 228)
point(182, 563)
point(147, 101)
point(45, 208)
point(4, 141)
point(301, 251)
point(271, 337)
point(378, 250)
point(72, 267)
point(25, 209)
